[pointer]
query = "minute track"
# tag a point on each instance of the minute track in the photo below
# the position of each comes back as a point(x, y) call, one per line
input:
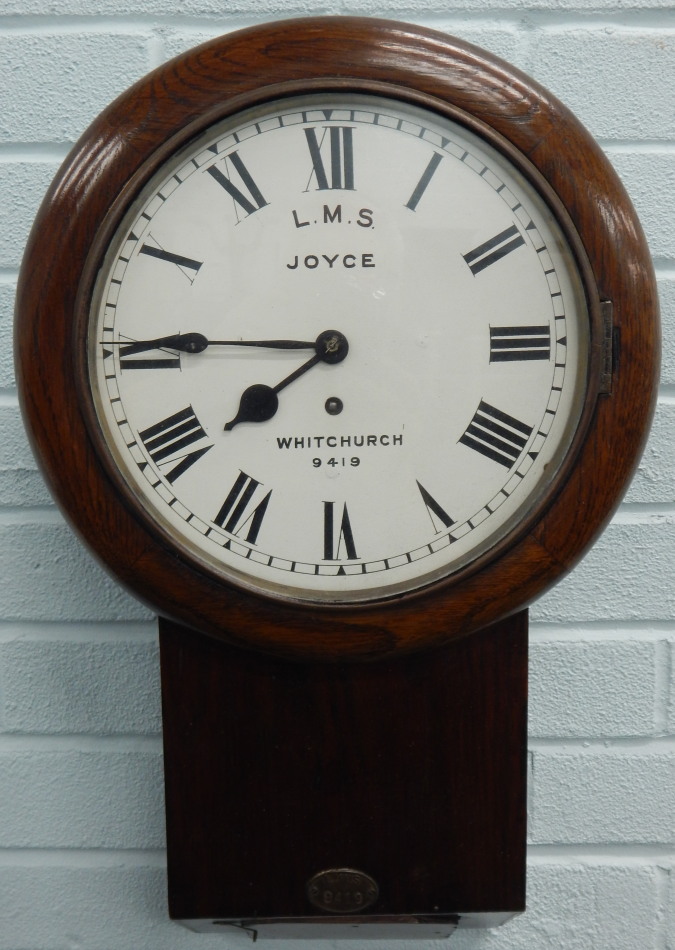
point(415, 374)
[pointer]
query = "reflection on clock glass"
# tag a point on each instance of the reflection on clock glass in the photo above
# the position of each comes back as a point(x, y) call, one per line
point(338, 347)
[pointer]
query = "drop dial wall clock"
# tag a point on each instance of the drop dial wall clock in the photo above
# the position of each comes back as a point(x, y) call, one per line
point(338, 343)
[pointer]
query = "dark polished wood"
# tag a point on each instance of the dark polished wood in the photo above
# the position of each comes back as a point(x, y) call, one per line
point(412, 770)
point(163, 111)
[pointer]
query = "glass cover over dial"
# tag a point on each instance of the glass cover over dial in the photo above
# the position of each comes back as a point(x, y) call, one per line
point(338, 347)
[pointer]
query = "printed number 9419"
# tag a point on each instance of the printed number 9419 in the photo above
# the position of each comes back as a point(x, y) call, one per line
point(354, 461)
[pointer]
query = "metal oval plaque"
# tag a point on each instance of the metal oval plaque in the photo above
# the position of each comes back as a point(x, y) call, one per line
point(342, 890)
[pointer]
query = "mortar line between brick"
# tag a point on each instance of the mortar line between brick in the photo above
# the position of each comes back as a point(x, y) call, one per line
point(648, 512)
point(531, 793)
point(35, 152)
point(131, 631)
point(59, 24)
point(637, 17)
point(594, 631)
point(35, 514)
point(607, 854)
point(127, 859)
point(120, 859)
point(83, 631)
point(581, 18)
point(662, 686)
point(31, 24)
point(157, 53)
point(603, 745)
point(83, 744)
point(637, 146)
point(662, 902)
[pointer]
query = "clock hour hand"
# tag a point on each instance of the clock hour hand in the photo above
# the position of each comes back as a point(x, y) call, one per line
point(259, 402)
point(197, 343)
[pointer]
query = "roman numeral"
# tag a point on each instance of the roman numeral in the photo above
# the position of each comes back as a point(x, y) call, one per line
point(337, 142)
point(154, 359)
point(519, 343)
point(434, 509)
point(496, 435)
point(493, 250)
point(184, 264)
point(248, 197)
point(422, 184)
point(166, 440)
point(338, 540)
point(237, 515)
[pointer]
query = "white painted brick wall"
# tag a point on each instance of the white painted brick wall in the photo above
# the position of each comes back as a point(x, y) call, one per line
point(62, 797)
point(605, 689)
point(598, 796)
point(81, 806)
point(569, 57)
point(79, 73)
point(107, 686)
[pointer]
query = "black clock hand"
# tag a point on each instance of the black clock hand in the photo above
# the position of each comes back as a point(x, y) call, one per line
point(259, 402)
point(197, 343)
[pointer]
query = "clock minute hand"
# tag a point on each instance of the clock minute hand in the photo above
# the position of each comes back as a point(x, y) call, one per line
point(259, 402)
point(197, 343)
point(267, 344)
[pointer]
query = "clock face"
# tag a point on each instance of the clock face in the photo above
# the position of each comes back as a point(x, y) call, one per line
point(338, 348)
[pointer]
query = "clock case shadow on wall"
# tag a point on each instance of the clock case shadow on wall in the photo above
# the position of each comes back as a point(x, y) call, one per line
point(341, 768)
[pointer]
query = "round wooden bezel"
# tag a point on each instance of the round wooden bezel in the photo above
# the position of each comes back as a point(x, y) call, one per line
point(163, 112)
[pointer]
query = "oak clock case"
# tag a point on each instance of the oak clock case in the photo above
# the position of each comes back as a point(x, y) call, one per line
point(338, 339)
point(339, 489)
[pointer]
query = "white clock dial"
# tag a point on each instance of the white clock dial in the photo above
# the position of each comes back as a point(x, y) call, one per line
point(338, 347)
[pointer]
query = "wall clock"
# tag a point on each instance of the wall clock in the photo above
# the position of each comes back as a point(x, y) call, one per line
point(338, 342)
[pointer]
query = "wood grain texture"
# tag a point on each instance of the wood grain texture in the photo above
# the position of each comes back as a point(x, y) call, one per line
point(126, 144)
point(412, 770)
